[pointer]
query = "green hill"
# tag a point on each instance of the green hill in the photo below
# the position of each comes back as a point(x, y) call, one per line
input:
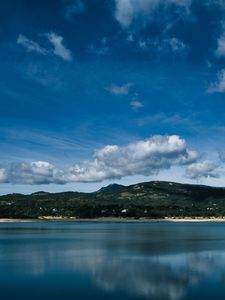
point(149, 199)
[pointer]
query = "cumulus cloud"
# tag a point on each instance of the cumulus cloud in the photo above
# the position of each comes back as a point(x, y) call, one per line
point(201, 169)
point(39, 172)
point(128, 10)
point(219, 85)
point(136, 105)
point(30, 45)
point(145, 157)
point(59, 49)
point(119, 90)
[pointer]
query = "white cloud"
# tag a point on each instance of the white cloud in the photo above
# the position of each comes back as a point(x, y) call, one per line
point(39, 172)
point(192, 156)
point(3, 175)
point(119, 90)
point(201, 169)
point(145, 157)
point(59, 49)
point(30, 45)
point(128, 10)
point(56, 41)
point(136, 105)
point(219, 85)
point(220, 51)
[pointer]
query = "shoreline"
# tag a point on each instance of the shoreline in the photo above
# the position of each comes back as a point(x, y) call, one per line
point(115, 220)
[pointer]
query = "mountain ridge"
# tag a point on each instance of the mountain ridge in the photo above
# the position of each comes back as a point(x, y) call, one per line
point(152, 199)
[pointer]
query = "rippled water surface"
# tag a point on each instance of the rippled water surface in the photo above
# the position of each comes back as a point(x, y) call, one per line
point(112, 261)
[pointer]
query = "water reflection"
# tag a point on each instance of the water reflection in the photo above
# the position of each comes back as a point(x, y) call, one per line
point(159, 277)
point(142, 261)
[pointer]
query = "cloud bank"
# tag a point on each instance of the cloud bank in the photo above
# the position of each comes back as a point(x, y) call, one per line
point(144, 157)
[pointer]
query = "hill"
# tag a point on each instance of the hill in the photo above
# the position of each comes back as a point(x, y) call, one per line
point(149, 199)
point(111, 187)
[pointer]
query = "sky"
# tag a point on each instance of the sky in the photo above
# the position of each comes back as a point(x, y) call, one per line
point(94, 92)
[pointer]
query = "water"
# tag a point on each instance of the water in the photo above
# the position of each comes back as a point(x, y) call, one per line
point(160, 261)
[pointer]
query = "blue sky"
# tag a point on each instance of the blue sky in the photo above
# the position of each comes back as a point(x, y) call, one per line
point(94, 92)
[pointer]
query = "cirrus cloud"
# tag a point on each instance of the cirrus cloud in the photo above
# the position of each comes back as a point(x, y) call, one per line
point(30, 45)
point(57, 47)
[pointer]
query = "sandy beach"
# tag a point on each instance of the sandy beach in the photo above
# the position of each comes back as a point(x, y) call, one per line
point(112, 219)
point(16, 220)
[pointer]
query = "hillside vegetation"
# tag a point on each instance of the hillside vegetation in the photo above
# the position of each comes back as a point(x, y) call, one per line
point(149, 199)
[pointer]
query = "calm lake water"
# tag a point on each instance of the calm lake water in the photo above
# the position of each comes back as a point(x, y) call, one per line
point(112, 261)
